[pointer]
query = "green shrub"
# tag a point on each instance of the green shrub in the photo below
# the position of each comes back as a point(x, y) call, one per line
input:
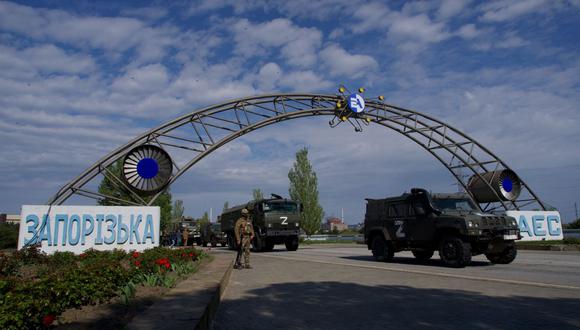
point(55, 283)
point(9, 235)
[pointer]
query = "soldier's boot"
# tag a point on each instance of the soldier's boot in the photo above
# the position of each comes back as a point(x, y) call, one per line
point(247, 266)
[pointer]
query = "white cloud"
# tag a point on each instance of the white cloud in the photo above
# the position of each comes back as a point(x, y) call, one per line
point(297, 45)
point(450, 8)
point(341, 63)
point(504, 10)
point(269, 76)
point(468, 31)
point(143, 80)
point(304, 81)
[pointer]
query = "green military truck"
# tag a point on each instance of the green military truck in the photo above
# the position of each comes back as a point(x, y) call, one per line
point(211, 233)
point(193, 231)
point(449, 223)
point(275, 220)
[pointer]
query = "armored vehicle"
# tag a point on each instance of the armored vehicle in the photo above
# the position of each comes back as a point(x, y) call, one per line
point(211, 233)
point(449, 223)
point(192, 228)
point(275, 220)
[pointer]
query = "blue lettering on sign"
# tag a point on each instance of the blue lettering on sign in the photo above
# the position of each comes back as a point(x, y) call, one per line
point(111, 228)
point(100, 219)
point(524, 226)
point(64, 219)
point(74, 219)
point(552, 230)
point(87, 231)
point(537, 221)
point(356, 103)
point(133, 227)
point(122, 231)
point(44, 234)
point(32, 223)
point(148, 232)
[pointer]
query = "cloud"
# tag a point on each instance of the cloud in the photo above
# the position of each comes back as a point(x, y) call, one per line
point(341, 63)
point(297, 45)
point(500, 11)
point(450, 8)
point(143, 80)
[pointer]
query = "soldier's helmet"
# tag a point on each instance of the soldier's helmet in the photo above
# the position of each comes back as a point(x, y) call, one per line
point(245, 212)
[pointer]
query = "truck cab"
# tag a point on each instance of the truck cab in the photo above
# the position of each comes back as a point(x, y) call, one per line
point(451, 224)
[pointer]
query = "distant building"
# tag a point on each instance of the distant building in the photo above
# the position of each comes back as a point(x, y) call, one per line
point(9, 218)
point(356, 227)
point(334, 223)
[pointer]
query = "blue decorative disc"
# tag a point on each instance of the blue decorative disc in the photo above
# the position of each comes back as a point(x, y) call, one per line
point(147, 168)
point(507, 184)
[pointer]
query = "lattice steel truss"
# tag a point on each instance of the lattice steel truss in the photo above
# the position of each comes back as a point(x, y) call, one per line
point(188, 139)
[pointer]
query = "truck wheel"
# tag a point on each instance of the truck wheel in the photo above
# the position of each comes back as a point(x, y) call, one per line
point(204, 244)
point(292, 243)
point(423, 255)
point(505, 257)
point(258, 244)
point(223, 244)
point(381, 250)
point(454, 252)
point(213, 243)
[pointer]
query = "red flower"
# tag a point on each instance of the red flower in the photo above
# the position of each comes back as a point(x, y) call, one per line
point(191, 254)
point(137, 263)
point(135, 254)
point(82, 255)
point(184, 255)
point(167, 265)
point(48, 319)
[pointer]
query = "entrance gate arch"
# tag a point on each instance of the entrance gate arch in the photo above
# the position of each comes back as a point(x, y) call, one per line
point(203, 131)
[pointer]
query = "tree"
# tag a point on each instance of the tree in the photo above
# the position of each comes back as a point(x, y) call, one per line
point(226, 206)
point(304, 189)
point(204, 220)
point(257, 193)
point(111, 187)
point(177, 212)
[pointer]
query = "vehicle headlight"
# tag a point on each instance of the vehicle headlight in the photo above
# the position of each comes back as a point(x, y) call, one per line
point(269, 225)
point(297, 224)
point(514, 223)
point(469, 224)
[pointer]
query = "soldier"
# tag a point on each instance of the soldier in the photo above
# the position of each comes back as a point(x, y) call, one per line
point(185, 235)
point(244, 235)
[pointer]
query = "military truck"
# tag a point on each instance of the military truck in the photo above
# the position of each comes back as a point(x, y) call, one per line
point(275, 220)
point(449, 223)
point(211, 233)
point(192, 228)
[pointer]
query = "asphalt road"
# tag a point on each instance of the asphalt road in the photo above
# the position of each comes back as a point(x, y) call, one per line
point(342, 287)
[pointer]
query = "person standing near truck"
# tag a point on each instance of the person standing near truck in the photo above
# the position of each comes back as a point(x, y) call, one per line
point(244, 235)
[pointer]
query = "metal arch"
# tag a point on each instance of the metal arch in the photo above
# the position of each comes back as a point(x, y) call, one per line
point(206, 130)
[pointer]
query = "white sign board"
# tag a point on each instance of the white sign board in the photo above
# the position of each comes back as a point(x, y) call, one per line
point(538, 225)
point(78, 228)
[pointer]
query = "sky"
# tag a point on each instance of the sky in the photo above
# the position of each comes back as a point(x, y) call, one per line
point(80, 78)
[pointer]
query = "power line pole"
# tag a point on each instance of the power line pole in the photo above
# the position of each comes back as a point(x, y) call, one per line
point(576, 209)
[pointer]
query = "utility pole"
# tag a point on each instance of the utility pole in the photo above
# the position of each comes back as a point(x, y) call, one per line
point(576, 209)
point(210, 214)
point(342, 214)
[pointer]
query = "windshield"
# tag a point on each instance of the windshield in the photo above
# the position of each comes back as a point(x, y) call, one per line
point(460, 204)
point(280, 207)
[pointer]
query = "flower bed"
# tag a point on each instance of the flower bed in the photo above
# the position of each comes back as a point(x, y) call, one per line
point(36, 288)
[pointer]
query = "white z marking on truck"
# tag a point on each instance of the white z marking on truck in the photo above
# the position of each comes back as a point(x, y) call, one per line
point(284, 220)
point(400, 225)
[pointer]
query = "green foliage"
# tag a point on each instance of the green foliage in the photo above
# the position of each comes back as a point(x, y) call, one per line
point(572, 225)
point(304, 188)
point(8, 235)
point(27, 297)
point(118, 193)
point(178, 210)
point(204, 220)
point(257, 194)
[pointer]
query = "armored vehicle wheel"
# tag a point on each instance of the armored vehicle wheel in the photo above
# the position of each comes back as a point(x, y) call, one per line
point(204, 244)
point(213, 243)
point(505, 257)
point(223, 244)
point(258, 244)
point(292, 243)
point(423, 255)
point(381, 250)
point(454, 252)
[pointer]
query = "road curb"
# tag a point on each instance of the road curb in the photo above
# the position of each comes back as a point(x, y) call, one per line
point(556, 247)
point(208, 315)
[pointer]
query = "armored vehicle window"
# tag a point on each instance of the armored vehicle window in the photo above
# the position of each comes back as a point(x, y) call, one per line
point(392, 211)
point(418, 208)
point(280, 207)
point(454, 204)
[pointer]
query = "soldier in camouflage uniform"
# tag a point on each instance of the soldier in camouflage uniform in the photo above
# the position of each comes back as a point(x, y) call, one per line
point(244, 236)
